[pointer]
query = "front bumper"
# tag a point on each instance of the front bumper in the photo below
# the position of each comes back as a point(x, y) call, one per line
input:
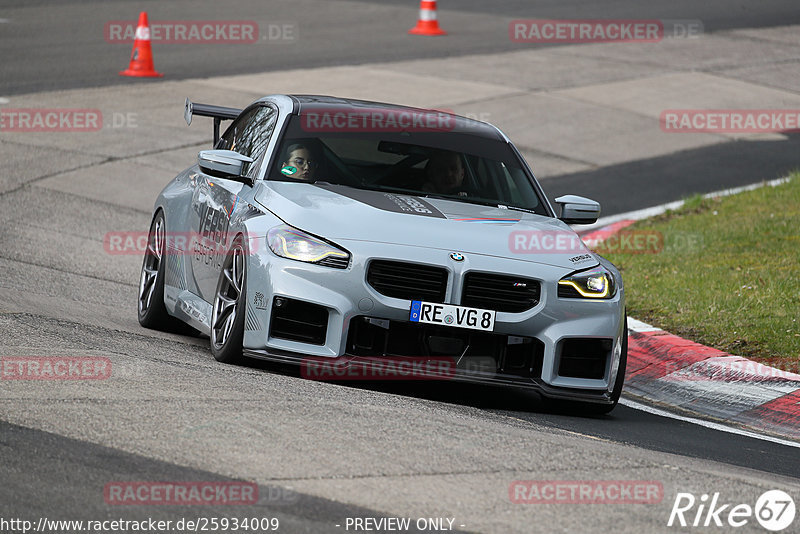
point(543, 348)
point(349, 366)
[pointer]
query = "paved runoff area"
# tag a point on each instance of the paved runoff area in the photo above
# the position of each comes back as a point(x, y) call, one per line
point(168, 411)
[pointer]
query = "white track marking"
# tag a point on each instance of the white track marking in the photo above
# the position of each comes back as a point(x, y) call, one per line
point(640, 326)
point(707, 424)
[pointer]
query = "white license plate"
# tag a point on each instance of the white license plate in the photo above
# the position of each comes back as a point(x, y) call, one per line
point(450, 315)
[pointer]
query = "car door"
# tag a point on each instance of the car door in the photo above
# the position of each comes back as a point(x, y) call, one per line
point(215, 198)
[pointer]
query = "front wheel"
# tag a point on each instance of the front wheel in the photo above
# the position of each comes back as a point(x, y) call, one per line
point(227, 316)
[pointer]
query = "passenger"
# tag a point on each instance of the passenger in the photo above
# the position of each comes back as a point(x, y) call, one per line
point(445, 173)
point(299, 163)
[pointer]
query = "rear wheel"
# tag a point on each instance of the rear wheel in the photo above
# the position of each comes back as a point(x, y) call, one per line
point(151, 310)
point(152, 313)
point(227, 316)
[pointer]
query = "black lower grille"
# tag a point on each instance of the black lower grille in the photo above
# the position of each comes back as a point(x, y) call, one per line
point(523, 357)
point(408, 281)
point(584, 358)
point(296, 320)
point(502, 293)
point(480, 352)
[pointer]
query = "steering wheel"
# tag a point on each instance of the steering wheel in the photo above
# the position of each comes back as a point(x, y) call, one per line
point(405, 163)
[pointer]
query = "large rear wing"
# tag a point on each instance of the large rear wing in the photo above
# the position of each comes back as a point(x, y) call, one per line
point(219, 114)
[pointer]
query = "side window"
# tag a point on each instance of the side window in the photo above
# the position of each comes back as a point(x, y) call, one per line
point(231, 136)
point(249, 135)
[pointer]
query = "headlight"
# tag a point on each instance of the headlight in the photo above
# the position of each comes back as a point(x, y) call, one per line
point(289, 242)
point(595, 283)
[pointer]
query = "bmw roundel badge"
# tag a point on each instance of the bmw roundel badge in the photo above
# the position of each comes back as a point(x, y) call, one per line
point(456, 256)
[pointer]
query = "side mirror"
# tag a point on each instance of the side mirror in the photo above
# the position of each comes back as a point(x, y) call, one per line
point(578, 210)
point(224, 164)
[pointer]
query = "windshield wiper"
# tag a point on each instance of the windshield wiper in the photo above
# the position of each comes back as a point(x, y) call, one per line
point(462, 199)
point(517, 208)
point(492, 203)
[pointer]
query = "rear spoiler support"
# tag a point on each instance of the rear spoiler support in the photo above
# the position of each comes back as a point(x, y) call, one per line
point(219, 114)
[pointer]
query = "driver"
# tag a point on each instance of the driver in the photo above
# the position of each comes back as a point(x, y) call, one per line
point(445, 173)
point(299, 163)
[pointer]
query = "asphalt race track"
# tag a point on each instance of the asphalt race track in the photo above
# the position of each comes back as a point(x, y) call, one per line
point(319, 453)
point(75, 54)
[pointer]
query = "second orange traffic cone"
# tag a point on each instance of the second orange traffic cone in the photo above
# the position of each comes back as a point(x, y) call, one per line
point(141, 64)
point(427, 23)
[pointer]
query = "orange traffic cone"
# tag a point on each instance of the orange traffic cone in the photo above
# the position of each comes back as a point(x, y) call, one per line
point(427, 23)
point(141, 64)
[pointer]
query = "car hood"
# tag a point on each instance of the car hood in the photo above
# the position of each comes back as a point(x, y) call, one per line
point(338, 212)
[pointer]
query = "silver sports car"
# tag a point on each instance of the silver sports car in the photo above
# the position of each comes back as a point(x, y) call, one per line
point(362, 239)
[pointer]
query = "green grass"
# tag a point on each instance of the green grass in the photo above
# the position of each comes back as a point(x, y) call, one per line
point(728, 275)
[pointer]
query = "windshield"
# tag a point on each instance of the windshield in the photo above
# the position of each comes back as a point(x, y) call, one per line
point(455, 165)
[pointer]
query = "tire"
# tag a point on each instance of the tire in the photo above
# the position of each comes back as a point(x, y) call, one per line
point(228, 311)
point(150, 305)
point(616, 393)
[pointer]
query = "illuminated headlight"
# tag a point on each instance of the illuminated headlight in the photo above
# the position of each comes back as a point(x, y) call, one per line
point(595, 283)
point(295, 244)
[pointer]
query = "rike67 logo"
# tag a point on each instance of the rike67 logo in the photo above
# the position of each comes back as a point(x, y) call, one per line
point(774, 510)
